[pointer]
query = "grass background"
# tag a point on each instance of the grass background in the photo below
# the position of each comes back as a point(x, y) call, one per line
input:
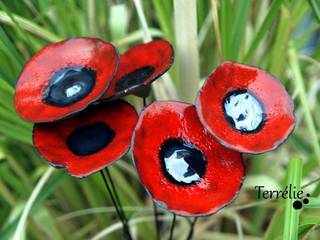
point(281, 36)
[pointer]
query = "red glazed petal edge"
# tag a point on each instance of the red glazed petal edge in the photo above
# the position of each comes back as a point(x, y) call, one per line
point(82, 53)
point(52, 140)
point(140, 66)
point(276, 120)
point(224, 171)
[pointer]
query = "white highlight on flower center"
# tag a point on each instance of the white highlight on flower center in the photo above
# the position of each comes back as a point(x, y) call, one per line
point(73, 90)
point(178, 168)
point(245, 111)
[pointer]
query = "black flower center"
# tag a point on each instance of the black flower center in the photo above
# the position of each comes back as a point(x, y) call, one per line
point(182, 162)
point(243, 111)
point(134, 78)
point(90, 139)
point(69, 85)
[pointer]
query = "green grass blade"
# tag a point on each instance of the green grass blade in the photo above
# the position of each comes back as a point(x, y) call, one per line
point(164, 18)
point(17, 28)
point(299, 83)
point(6, 194)
point(226, 28)
point(11, 51)
point(263, 29)
point(91, 5)
point(187, 48)
point(315, 6)
point(20, 231)
point(313, 203)
point(214, 12)
point(63, 16)
point(30, 26)
point(291, 218)
point(75, 17)
point(143, 21)
point(277, 58)
point(12, 131)
point(136, 36)
point(242, 10)
point(117, 226)
point(118, 21)
point(51, 186)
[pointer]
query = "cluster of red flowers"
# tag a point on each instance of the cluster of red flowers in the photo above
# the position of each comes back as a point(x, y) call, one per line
point(188, 157)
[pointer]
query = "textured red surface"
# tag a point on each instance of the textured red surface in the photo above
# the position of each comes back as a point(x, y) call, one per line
point(50, 139)
point(271, 93)
point(158, 54)
point(224, 174)
point(87, 52)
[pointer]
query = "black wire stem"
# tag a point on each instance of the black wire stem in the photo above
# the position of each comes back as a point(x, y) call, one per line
point(192, 224)
point(172, 226)
point(120, 213)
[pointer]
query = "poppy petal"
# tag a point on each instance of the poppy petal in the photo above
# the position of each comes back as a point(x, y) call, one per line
point(88, 141)
point(139, 66)
point(245, 108)
point(64, 78)
point(181, 165)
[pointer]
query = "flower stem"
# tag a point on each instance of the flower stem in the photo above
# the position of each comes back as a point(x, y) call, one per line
point(192, 224)
point(116, 202)
point(172, 226)
point(156, 221)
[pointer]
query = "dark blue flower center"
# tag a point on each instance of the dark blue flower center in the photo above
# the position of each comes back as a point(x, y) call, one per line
point(182, 162)
point(69, 85)
point(90, 139)
point(135, 78)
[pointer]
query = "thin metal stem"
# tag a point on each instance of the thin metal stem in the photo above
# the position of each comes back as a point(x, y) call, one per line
point(156, 221)
point(124, 222)
point(116, 196)
point(172, 226)
point(144, 101)
point(192, 224)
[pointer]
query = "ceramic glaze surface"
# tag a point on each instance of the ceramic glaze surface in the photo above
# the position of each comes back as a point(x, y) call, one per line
point(135, 78)
point(44, 95)
point(169, 147)
point(69, 85)
point(139, 67)
point(89, 141)
point(267, 131)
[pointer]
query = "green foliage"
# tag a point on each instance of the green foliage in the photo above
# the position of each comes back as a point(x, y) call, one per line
point(279, 36)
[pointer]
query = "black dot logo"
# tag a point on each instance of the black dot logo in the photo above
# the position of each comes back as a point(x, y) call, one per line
point(297, 204)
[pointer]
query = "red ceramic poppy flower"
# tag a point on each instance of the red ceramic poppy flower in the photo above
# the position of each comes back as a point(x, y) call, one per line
point(89, 141)
point(63, 78)
point(181, 165)
point(139, 66)
point(245, 108)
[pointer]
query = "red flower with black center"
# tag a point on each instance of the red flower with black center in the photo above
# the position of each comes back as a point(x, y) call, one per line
point(64, 78)
point(245, 108)
point(139, 66)
point(181, 165)
point(89, 141)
